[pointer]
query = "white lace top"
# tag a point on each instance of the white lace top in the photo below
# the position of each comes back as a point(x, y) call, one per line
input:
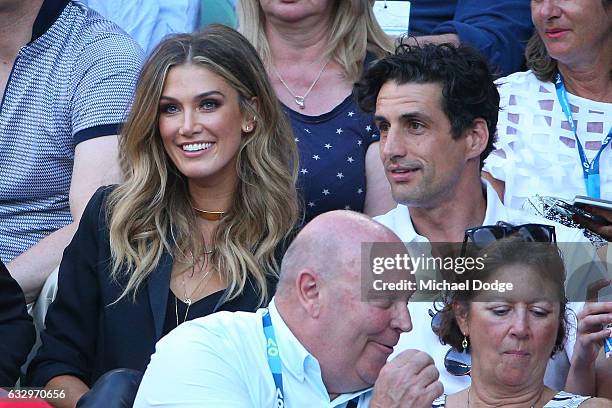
point(561, 399)
point(536, 148)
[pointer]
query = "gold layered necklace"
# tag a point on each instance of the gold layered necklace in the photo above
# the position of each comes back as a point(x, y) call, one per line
point(300, 100)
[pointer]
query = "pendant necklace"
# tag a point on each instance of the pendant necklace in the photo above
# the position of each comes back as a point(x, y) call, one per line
point(300, 99)
point(187, 300)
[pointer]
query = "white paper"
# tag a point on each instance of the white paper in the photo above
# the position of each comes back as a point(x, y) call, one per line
point(393, 16)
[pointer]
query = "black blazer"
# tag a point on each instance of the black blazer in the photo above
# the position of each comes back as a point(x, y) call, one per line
point(86, 335)
point(16, 329)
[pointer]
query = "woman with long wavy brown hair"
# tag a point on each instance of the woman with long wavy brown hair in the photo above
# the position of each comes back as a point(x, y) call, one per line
point(208, 201)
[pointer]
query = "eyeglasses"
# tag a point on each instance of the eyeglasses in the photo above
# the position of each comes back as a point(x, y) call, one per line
point(457, 363)
point(483, 236)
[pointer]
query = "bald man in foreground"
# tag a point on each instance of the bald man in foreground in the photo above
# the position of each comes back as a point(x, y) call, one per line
point(317, 345)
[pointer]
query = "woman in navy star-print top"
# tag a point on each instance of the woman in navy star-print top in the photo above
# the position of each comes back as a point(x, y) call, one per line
point(314, 52)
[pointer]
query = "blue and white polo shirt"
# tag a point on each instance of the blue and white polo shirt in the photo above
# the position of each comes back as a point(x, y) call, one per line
point(73, 82)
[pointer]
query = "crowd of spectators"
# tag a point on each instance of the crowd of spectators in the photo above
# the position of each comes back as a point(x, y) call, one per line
point(187, 209)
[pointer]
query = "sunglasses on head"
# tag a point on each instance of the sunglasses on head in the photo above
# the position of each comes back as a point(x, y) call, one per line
point(483, 236)
point(457, 362)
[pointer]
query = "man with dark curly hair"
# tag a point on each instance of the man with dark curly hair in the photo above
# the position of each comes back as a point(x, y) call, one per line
point(436, 107)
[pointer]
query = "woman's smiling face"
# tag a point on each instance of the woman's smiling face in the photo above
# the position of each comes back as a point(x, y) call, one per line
point(201, 124)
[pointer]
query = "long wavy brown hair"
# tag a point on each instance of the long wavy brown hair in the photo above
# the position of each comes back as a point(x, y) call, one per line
point(150, 213)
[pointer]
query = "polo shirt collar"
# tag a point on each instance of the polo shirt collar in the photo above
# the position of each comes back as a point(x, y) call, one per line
point(293, 354)
point(297, 360)
point(47, 15)
point(494, 212)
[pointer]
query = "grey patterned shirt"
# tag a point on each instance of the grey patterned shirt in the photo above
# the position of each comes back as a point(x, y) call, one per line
point(73, 82)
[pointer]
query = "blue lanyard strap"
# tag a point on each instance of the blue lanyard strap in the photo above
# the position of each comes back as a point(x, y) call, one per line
point(590, 170)
point(274, 362)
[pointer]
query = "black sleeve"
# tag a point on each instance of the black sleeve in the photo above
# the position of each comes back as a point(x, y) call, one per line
point(16, 329)
point(71, 325)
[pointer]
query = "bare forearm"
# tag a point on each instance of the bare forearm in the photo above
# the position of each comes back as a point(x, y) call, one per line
point(581, 379)
point(73, 390)
point(603, 371)
point(95, 165)
point(32, 268)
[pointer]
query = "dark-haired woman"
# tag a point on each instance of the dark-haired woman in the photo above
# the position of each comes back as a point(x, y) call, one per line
point(510, 335)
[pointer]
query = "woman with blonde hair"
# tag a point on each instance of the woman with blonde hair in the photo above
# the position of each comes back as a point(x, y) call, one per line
point(208, 201)
point(314, 52)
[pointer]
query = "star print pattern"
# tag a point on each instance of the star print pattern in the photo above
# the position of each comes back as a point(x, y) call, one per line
point(332, 151)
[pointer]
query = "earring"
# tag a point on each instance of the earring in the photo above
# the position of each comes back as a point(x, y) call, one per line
point(465, 343)
point(248, 128)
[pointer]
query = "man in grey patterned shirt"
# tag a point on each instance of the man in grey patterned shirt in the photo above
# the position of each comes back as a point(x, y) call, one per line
point(66, 81)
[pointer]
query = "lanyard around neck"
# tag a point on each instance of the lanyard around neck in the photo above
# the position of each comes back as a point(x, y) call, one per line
point(274, 362)
point(590, 170)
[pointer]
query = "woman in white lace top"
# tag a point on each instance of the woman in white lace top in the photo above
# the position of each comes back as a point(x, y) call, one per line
point(538, 151)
